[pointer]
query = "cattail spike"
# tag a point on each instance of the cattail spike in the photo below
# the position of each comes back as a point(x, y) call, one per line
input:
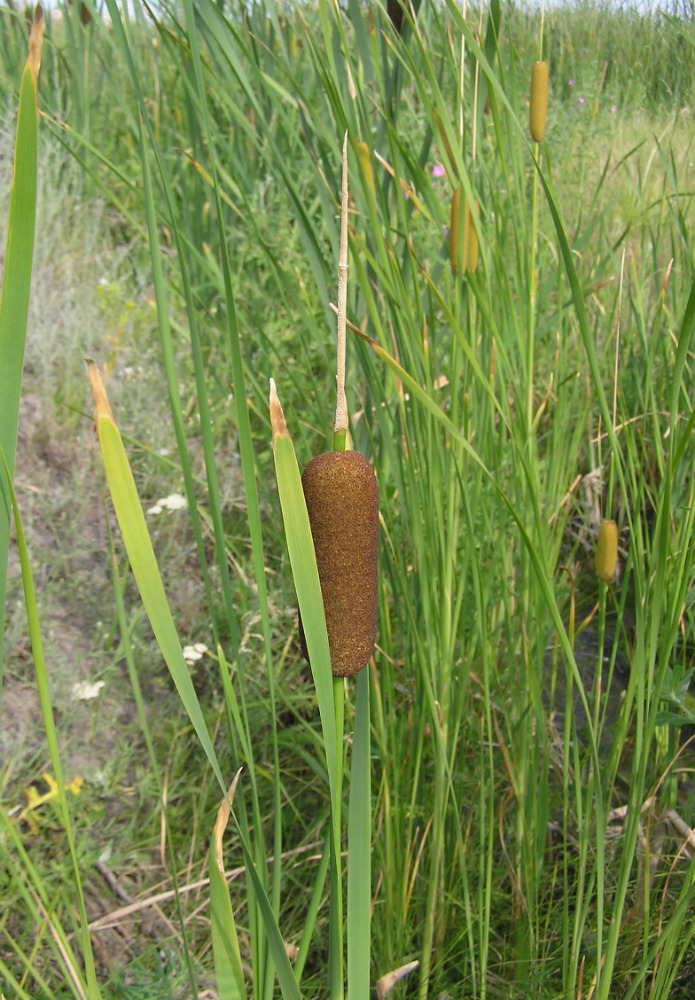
point(454, 230)
point(470, 238)
point(469, 248)
point(539, 100)
point(366, 162)
point(342, 499)
point(607, 551)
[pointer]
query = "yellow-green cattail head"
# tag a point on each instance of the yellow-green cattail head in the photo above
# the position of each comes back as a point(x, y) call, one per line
point(470, 238)
point(539, 100)
point(469, 247)
point(366, 161)
point(342, 499)
point(454, 230)
point(607, 550)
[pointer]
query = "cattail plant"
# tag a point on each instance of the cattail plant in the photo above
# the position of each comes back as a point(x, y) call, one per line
point(341, 516)
point(342, 499)
point(606, 550)
point(539, 100)
point(470, 237)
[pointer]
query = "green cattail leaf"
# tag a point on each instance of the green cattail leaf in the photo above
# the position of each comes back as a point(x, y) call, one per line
point(359, 883)
point(233, 980)
point(300, 547)
point(136, 538)
point(16, 284)
point(229, 973)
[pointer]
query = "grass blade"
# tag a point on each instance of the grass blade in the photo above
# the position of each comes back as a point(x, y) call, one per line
point(359, 868)
point(16, 285)
point(138, 545)
point(225, 943)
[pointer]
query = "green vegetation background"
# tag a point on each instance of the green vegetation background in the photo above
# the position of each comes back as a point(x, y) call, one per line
point(531, 822)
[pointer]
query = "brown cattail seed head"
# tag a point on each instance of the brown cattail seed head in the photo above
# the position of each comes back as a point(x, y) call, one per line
point(394, 9)
point(342, 498)
point(607, 550)
point(539, 100)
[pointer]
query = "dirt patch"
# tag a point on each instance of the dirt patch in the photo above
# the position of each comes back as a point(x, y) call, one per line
point(64, 521)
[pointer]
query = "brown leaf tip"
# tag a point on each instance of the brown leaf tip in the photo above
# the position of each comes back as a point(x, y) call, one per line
point(278, 424)
point(35, 40)
point(101, 402)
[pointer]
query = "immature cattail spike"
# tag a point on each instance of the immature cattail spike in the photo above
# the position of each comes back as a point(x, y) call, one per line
point(539, 100)
point(607, 550)
point(470, 238)
point(366, 161)
point(469, 247)
point(342, 499)
point(454, 230)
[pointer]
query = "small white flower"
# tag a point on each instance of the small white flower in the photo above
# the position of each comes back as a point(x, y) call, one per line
point(176, 501)
point(84, 691)
point(194, 652)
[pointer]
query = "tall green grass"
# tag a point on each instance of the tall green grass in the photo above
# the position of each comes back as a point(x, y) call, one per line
point(529, 810)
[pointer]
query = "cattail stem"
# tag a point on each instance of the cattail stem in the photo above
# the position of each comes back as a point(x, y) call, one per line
point(341, 414)
point(533, 279)
point(462, 76)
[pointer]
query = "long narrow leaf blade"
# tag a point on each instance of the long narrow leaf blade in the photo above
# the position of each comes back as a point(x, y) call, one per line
point(16, 284)
point(300, 545)
point(359, 849)
point(136, 538)
point(225, 943)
